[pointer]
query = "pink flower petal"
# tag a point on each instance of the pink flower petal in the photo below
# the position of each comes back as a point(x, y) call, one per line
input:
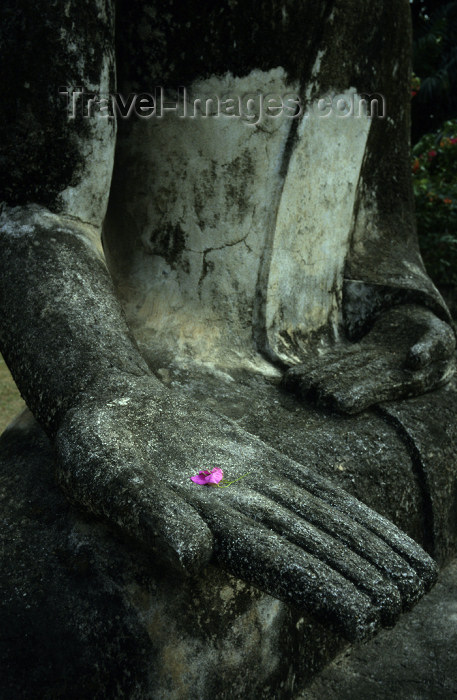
point(201, 477)
point(216, 476)
point(197, 479)
point(206, 478)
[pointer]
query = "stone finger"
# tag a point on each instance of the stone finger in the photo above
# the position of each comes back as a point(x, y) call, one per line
point(340, 500)
point(264, 558)
point(366, 577)
point(351, 533)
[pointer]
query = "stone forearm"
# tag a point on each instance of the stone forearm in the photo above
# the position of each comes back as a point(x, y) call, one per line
point(61, 326)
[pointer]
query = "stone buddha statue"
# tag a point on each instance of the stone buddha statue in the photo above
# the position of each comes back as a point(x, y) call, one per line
point(191, 289)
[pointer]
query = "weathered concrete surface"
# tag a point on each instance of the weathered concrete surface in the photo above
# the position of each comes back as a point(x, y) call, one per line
point(75, 594)
point(371, 455)
point(86, 614)
point(406, 353)
point(46, 158)
point(415, 661)
point(224, 233)
point(70, 351)
point(431, 429)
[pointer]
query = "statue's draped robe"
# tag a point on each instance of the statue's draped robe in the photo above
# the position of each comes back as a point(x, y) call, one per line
point(232, 235)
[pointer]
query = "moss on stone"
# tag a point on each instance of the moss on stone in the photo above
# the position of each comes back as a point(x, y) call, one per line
point(57, 45)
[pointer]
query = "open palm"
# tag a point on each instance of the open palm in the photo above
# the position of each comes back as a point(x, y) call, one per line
point(128, 455)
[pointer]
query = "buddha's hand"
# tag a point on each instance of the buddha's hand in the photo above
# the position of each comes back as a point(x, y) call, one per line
point(408, 352)
point(129, 456)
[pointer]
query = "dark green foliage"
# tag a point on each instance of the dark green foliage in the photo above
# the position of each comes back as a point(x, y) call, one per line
point(435, 189)
point(435, 63)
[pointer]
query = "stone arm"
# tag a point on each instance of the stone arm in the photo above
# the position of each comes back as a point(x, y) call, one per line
point(397, 338)
point(62, 329)
point(126, 447)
